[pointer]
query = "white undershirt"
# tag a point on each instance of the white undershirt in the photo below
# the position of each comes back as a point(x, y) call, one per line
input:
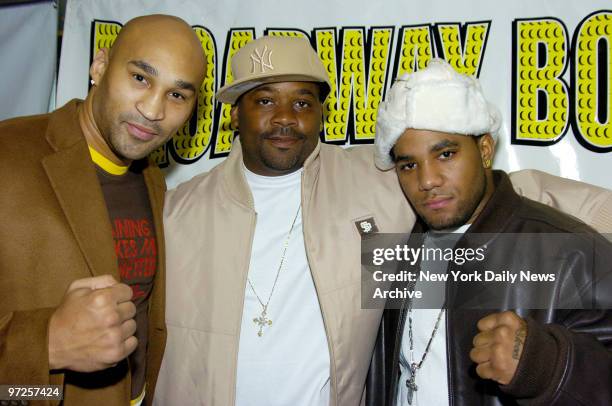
point(432, 377)
point(289, 363)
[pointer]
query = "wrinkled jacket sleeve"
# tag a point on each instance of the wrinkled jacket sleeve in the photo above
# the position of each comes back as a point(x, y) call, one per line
point(566, 365)
point(570, 362)
point(591, 204)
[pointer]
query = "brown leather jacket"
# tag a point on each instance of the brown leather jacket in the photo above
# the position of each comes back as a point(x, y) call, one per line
point(567, 358)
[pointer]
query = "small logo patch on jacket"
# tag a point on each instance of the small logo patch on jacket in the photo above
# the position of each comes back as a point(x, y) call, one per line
point(366, 226)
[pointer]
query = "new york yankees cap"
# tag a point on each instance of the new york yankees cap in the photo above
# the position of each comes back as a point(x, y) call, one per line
point(273, 59)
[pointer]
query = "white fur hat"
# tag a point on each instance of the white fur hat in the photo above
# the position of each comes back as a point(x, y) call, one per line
point(436, 98)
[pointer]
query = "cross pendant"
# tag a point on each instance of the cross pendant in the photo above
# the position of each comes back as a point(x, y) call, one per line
point(411, 383)
point(262, 321)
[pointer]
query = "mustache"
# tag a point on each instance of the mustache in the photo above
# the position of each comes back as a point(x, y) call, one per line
point(137, 119)
point(284, 132)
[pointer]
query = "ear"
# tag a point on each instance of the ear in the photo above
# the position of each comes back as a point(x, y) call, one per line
point(234, 116)
point(99, 65)
point(486, 145)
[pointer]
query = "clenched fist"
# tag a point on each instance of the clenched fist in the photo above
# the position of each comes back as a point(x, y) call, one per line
point(498, 346)
point(93, 328)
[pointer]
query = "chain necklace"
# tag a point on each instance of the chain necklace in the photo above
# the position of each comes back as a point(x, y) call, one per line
point(263, 319)
point(414, 366)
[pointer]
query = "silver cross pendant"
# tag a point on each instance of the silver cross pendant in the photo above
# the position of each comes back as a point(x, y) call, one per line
point(262, 321)
point(411, 383)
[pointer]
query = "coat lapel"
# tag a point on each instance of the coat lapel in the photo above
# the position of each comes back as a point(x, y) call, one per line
point(75, 183)
point(156, 187)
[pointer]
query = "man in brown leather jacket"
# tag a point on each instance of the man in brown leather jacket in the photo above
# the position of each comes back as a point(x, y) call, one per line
point(555, 346)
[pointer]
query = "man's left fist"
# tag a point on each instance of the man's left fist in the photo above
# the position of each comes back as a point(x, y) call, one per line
point(498, 346)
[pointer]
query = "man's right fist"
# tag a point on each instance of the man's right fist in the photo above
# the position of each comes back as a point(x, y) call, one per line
point(93, 328)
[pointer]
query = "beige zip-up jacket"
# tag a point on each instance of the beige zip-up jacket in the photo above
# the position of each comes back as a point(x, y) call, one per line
point(210, 222)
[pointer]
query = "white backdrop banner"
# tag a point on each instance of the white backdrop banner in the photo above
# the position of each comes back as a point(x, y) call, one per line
point(547, 65)
point(28, 56)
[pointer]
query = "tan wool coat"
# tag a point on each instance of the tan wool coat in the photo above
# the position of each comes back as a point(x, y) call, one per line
point(54, 228)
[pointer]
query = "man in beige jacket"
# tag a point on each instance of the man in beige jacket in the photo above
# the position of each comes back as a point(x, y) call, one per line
point(264, 283)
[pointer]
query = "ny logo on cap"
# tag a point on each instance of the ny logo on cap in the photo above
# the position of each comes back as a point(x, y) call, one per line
point(259, 59)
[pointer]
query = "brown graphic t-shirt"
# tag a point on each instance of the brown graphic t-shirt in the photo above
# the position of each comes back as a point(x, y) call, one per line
point(131, 218)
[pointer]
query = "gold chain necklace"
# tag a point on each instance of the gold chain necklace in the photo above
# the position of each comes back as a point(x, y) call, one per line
point(263, 319)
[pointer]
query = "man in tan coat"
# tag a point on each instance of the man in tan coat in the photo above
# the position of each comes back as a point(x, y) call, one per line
point(264, 284)
point(81, 246)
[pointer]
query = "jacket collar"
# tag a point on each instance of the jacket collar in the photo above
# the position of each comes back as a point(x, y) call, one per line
point(64, 130)
point(75, 183)
point(236, 182)
point(500, 208)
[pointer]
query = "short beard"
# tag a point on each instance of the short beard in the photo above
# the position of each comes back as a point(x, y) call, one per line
point(464, 213)
point(123, 150)
point(281, 165)
point(280, 162)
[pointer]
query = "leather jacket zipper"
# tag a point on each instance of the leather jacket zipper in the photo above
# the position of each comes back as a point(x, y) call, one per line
point(396, 351)
point(449, 376)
